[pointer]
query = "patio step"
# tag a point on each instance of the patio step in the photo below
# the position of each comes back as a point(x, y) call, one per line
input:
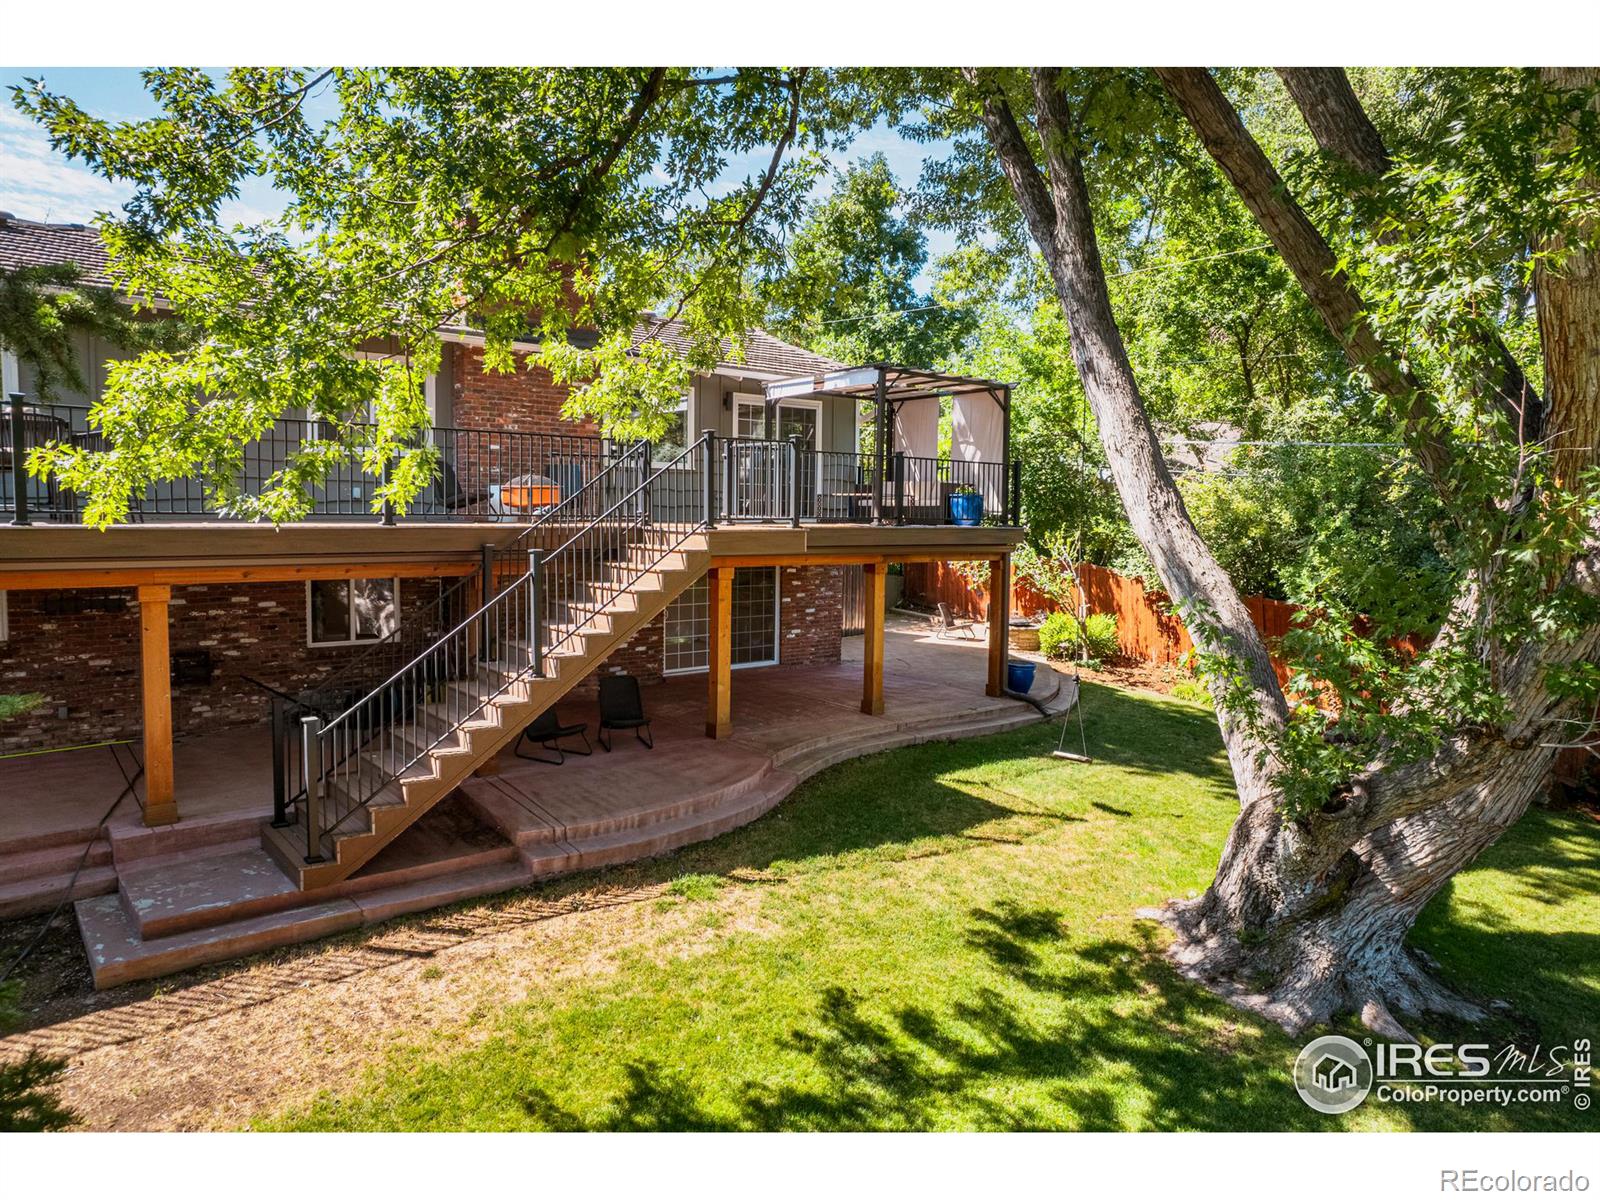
point(120, 953)
point(24, 897)
point(657, 837)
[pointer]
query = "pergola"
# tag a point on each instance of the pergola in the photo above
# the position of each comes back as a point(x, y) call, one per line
point(906, 406)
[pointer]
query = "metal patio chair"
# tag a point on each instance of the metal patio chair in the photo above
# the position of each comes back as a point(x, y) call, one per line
point(949, 624)
point(621, 707)
point(546, 731)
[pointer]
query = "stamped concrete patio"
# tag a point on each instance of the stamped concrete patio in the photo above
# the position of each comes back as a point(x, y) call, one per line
point(153, 901)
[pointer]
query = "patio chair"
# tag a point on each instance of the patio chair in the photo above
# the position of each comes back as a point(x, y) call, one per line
point(546, 731)
point(622, 708)
point(949, 624)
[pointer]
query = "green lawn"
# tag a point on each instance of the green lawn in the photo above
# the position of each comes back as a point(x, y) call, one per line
point(942, 938)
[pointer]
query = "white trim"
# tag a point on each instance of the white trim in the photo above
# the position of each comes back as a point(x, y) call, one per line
point(352, 641)
point(777, 631)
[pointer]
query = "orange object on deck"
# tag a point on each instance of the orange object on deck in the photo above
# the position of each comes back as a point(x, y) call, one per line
point(530, 495)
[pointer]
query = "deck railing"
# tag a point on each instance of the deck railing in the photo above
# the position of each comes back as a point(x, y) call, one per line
point(486, 475)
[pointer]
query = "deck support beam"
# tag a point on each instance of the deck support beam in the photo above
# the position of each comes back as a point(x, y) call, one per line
point(155, 682)
point(719, 676)
point(999, 622)
point(874, 579)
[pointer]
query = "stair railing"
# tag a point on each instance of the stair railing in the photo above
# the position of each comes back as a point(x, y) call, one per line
point(352, 760)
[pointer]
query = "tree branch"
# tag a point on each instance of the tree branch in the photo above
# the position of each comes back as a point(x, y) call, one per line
point(1344, 132)
point(1307, 255)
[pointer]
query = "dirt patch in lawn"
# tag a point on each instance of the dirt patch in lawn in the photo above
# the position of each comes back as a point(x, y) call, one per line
point(214, 1047)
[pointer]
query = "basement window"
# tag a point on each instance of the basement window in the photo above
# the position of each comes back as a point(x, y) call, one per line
point(348, 612)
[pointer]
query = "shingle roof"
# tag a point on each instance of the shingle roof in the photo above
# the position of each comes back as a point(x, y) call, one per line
point(34, 243)
point(762, 351)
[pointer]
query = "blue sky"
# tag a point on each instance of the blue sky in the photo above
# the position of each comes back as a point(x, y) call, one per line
point(38, 183)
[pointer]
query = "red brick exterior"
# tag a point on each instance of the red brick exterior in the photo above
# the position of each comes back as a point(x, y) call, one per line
point(88, 661)
point(812, 620)
point(526, 400)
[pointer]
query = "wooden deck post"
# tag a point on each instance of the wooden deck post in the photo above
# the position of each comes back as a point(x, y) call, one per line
point(719, 677)
point(873, 579)
point(155, 681)
point(999, 620)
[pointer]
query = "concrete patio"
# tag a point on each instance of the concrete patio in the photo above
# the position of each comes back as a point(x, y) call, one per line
point(155, 900)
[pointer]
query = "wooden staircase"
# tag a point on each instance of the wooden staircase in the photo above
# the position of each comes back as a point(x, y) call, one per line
point(434, 753)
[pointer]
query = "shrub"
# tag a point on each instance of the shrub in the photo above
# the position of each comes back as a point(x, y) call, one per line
point(1100, 631)
point(1058, 635)
point(1061, 637)
point(12, 705)
point(1192, 690)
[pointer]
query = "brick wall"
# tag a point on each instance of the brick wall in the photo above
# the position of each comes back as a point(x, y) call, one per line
point(88, 661)
point(811, 624)
point(526, 400)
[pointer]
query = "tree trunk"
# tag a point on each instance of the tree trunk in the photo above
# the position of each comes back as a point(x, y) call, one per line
point(1060, 221)
point(1307, 915)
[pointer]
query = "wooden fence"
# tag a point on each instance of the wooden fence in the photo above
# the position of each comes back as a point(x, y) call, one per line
point(1147, 628)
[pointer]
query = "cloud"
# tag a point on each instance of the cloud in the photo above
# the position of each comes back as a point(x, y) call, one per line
point(40, 183)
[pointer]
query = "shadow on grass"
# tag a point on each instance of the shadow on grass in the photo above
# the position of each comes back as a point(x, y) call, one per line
point(1094, 1066)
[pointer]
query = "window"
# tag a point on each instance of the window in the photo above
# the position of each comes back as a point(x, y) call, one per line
point(749, 417)
point(675, 438)
point(344, 612)
point(755, 623)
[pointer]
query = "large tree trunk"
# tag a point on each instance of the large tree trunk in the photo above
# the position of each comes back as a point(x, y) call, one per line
point(1307, 916)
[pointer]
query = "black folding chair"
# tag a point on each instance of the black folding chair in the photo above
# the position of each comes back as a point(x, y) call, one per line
point(546, 730)
point(621, 708)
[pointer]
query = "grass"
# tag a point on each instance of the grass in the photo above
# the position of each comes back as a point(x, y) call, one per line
point(942, 938)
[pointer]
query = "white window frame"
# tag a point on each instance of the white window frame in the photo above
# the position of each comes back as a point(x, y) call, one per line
point(777, 632)
point(749, 400)
point(352, 641)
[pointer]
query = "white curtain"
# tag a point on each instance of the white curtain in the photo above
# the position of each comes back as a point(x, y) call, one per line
point(979, 436)
point(916, 435)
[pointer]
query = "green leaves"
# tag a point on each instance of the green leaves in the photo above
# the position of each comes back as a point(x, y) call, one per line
point(525, 203)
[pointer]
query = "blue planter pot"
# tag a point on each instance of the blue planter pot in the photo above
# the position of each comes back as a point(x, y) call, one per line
point(1019, 676)
point(966, 508)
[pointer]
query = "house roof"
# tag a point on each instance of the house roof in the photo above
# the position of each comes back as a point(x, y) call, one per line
point(35, 243)
point(762, 351)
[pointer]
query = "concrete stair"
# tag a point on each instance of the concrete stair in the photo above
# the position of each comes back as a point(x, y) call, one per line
point(443, 743)
point(36, 879)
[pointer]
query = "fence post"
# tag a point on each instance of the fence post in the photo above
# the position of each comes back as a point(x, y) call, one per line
point(709, 477)
point(536, 620)
point(19, 470)
point(794, 480)
point(1016, 492)
point(280, 780)
point(899, 487)
point(384, 477)
point(311, 768)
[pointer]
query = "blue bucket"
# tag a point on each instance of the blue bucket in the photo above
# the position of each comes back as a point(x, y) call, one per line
point(966, 508)
point(1019, 676)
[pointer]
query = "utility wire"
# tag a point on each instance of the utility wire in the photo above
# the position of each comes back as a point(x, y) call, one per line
point(1155, 267)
